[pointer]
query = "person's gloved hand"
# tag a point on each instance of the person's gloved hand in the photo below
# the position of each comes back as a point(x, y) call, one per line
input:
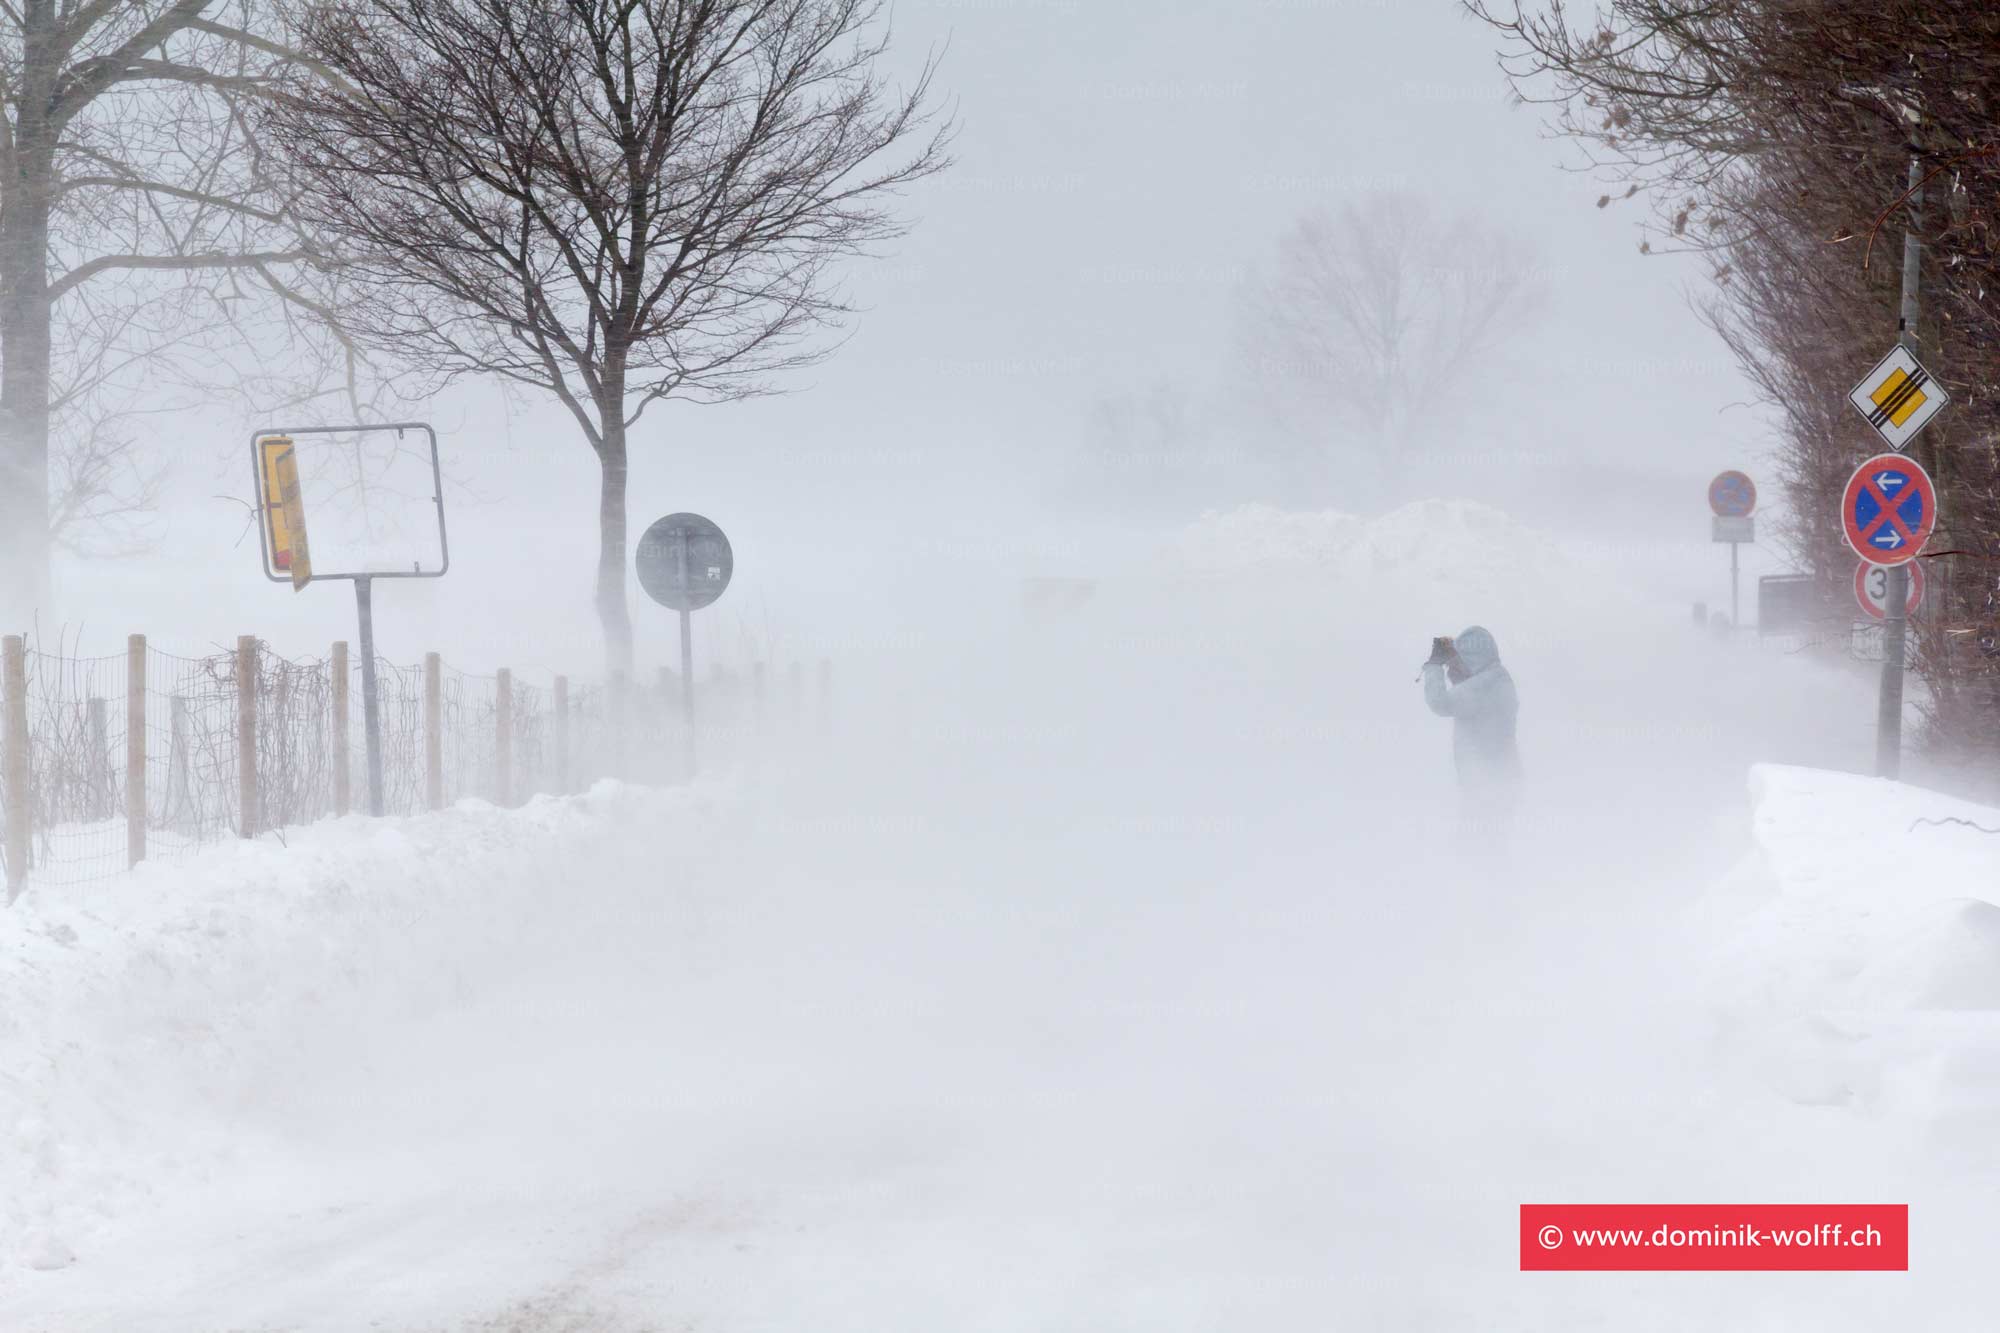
point(1441, 651)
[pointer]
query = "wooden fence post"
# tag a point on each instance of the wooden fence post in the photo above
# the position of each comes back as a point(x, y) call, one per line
point(562, 735)
point(503, 739)
point(343, 756)
point(135, 749)
point(433, 731)
point(97, 776)
point(249, 810)
point(20, 830)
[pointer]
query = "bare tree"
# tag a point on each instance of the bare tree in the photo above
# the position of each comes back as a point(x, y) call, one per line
point(1149, 432)
point(1374, 320)
point(103, 491)
point(1158, 444)
point(145, 242)
point(1773, 139)
point(615, 201)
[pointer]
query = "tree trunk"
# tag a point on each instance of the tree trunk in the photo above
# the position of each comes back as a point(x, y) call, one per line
point(613, 612)
point(25, 587)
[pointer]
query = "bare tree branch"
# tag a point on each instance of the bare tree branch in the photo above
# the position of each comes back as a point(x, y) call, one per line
point(615, 201)
point(125, 156)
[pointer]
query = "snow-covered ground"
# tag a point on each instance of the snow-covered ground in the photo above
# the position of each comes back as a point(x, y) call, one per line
point(1858, 949)
point(1110, 965)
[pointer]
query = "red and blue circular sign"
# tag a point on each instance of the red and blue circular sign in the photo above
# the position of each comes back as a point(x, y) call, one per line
point(1889, 509)
point(1732, 495)
point(1871, 589)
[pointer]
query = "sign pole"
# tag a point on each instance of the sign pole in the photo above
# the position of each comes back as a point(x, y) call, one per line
point(1732, 498)
point(371, 697)
point(1735, 608)
point(687, 650)
point(684, 563)
point(1889, 716)
point(1889, 713)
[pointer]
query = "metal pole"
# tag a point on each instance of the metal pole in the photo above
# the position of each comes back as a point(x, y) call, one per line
point(433, 732)
point(687, 683)
point(1889, 713)
point(687, 652)
point(1735, 608)
point(343, 760)
point(371, 696)
point(1913, 252)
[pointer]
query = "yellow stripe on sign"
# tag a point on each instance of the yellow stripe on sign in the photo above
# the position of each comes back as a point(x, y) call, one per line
point(1887, 390)
point(274, 447)
point(284, 510)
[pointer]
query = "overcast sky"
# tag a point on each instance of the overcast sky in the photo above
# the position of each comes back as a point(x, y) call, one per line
point(1119, 167)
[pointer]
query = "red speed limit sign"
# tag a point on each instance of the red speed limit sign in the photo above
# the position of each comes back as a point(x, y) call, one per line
point(1871, 589)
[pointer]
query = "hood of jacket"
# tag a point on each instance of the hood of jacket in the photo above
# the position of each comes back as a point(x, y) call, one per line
point(1476, 649)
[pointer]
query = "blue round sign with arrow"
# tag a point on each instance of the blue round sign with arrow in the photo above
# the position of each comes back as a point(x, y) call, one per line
point(1888, 509)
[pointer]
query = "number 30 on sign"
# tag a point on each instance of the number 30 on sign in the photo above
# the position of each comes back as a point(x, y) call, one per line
point(1871, 589)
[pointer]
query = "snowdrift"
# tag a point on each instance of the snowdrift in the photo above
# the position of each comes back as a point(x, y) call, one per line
point(1460, 544)
point(138, 1016)
point(1858, 946)
point(1462, 549)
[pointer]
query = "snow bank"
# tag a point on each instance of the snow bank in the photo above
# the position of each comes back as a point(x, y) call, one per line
point(1442, 541)
point(1470, 551)
point(1430, 567)
point(133, 1011)
point(1859, 944)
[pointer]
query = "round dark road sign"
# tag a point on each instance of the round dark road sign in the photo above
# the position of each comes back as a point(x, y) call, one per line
point(684, 562)
point(1732, 495)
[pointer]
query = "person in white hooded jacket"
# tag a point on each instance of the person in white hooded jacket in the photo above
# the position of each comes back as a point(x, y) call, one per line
point(1464, 681)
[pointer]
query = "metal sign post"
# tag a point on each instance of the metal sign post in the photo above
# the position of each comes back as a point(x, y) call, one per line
point(281, 532)
point(1889, 705)
point(684, 562)
point(1735, 601)
point(1732, 496)
point(687, 654)
point(1898, 399)
point(371, 694)
point(1888, 510)
point(1888, 513)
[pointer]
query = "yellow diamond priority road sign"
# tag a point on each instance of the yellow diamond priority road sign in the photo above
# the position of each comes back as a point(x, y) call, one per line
point(1899, 398)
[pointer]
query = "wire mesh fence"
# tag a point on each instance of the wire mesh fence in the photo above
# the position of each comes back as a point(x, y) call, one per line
point(76, 792)
point(191, 754)
point(109, 759)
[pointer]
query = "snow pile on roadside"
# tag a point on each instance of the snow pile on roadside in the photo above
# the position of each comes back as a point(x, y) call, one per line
point(1859, 957)
point(1462, 546)
point(132, 1011)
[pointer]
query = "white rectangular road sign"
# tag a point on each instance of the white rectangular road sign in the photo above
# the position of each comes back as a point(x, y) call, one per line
point(1734, 529)
point(1898, 398)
